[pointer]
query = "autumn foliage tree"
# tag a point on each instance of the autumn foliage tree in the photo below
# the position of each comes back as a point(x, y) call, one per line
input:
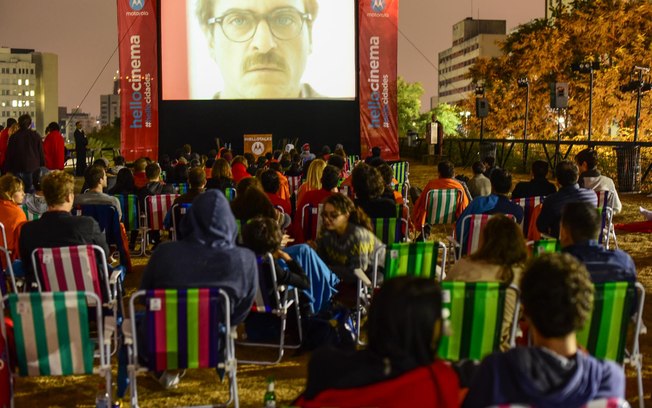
point(614, 33)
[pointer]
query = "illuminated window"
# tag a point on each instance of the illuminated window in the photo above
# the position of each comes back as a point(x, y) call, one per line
point(31, 93)
point(26, 103)
point(27, 82)
point(14, 103)
point(20, 82)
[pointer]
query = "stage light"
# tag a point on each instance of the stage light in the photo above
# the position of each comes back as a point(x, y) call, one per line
point(522, 82)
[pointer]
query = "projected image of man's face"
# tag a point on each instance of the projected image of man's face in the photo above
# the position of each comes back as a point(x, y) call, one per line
point(261, 47)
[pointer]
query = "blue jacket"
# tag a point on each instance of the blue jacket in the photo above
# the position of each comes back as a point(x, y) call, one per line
point(491, 204)
point(603, 265)
point(207, 256)
point(548, 221)
point(536, 376)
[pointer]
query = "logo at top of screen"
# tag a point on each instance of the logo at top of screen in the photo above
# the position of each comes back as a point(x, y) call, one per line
point(378, 5)
point(136, 5)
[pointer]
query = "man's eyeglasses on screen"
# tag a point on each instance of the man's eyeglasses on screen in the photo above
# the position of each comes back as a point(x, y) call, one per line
point(241, 25)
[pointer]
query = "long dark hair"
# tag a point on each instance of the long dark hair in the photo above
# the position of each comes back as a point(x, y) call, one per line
point(392, 335)
point(124, 182)
point(344, 205)
point(502, 243)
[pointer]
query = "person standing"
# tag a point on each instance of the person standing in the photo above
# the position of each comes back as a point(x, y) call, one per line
point(81, 141)
point(4, 140)
point(54, 148)
point(24, 152)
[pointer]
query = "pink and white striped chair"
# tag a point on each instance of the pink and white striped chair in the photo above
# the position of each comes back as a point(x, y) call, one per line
point(156, 207)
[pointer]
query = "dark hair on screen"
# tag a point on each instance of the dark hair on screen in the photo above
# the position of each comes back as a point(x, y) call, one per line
point(367, 182)
point(446, 169)
point(501, 181)
point(566, 173)
point(262, 235)
point(582, 221)
point(393, 336)
point(557, 294)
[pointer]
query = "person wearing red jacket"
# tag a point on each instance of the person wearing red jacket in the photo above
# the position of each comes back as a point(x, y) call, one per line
point(4, 140)
point(54, 148)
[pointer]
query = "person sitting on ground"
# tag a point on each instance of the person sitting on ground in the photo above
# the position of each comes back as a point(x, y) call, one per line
point(445, 181)
point(35, 202)
point(397, 346)
point(479, 184)
point(495, 203)
point(557, 296)
point(271, 184)
point(369, 187)
point(500, 257)
point(537, 187)
point(578, 235)
point(590, 177)
point(569, 192)
point(58, 227)
point(197, 182)
point(297, 265)
point(346, 240)
point(12, 216)
point(313, 178)
point(96, 180)
point(221, 176)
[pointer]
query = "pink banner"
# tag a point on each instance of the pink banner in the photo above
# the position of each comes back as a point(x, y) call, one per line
point(378, 60)
point(137, 33)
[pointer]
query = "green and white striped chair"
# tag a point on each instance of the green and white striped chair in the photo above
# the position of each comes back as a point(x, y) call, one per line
point(31, 216)
point(401, 171)
point(441, 207)
point(473, 318)
point(52, 335)
point(605, 333)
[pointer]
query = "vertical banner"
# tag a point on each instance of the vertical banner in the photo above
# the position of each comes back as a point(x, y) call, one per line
point(137, 36)
point(378, 27)
point(258, 145)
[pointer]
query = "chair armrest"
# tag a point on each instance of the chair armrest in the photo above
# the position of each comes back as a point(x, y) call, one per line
point(126, 332)
point(109, 329)
point(359, 273)
point(115, 275)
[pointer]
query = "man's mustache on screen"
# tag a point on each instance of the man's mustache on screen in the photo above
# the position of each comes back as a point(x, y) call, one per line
point(269, 60)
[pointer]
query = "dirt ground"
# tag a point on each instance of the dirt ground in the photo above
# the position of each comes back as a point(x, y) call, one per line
point(201, 387)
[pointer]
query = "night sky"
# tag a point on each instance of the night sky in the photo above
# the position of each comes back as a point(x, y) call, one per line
point(84, 35)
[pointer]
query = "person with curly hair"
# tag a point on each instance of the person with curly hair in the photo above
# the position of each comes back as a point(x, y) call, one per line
point(369, 187)
point(557, 297)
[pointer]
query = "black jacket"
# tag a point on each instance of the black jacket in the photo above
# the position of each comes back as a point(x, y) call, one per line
point(24, 152)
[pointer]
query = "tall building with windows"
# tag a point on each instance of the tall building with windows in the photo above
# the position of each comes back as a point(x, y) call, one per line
point(29, 84)
point(110, 104)
point(472, 39)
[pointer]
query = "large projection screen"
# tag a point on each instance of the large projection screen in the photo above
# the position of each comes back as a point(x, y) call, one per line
point(200, 62)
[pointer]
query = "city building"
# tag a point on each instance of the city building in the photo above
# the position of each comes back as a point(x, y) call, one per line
point(89, 124)
point(472, 39)
point(29, 85)
point(110, 104)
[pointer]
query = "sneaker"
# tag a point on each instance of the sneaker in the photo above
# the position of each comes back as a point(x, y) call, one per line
point(168, 381)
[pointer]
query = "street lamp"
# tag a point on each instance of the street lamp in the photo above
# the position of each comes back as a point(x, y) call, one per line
point(588, 67)
point(524, 83)
point(481, 107)
point(640, 86)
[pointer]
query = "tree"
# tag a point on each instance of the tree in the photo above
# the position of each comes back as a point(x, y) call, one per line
point(409, 107)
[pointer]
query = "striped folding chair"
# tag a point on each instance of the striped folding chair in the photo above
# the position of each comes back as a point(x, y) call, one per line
point(605, 207)
point(351, 160)
point(403, 189)
point(229, 193)
point(389, 230)
point(156, 207)
point(178, 212)
point(401, 171)
point(604, 334)
point(79, 268)
point(528, 204)
point(31, 216)
point(475, 313)
point(186, 328)
point(294, 182)
point(7, 272)
point(310, 221)
point(472, 226)
point(130, 213)
point(274, 300)
point(52, 335)
point(180, 188)
point(441, 207)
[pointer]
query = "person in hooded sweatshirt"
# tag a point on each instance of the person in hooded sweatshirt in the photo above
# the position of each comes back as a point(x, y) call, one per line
point(207, 256)
point(557, 296)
